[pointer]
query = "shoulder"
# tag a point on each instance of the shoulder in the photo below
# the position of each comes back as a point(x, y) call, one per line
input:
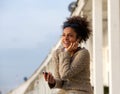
point(83, 51)
point(58, 51)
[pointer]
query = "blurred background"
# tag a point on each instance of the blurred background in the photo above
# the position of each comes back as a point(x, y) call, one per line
point(28, 31)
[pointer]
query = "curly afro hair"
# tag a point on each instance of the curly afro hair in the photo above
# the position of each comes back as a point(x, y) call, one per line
point(80, 25)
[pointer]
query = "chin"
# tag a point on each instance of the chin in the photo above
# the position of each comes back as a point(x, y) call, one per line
point(65, 46)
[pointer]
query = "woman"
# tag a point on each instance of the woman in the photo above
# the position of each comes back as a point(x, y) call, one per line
point(72, 63)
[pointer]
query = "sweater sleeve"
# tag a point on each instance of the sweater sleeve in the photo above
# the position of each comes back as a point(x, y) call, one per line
point(55, 61)
point(70, 68)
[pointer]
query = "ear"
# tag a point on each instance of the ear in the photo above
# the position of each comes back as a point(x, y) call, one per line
point(79, 39)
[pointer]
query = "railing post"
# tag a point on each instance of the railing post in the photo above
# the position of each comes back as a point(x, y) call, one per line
point(114, 45)
point(97, 46)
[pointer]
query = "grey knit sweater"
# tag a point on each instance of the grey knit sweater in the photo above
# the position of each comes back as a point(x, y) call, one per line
point(72, 73)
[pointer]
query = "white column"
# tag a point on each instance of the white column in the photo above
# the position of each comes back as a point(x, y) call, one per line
point(97, 46)
point(114, 45)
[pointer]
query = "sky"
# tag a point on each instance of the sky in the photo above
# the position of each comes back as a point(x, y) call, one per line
point(28, 31)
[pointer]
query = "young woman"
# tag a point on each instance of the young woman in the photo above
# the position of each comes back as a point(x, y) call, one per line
point(72, 62)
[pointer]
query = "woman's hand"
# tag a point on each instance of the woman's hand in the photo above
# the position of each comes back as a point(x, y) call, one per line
point(73, 47)
point(49, 78)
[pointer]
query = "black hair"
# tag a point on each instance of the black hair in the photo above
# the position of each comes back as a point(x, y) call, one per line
point(80, 25)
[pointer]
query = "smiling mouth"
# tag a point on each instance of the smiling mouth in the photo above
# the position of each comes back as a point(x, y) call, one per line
point(66, 43)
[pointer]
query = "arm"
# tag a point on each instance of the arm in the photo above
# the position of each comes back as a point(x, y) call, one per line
point(70, 68)
point(58, 81)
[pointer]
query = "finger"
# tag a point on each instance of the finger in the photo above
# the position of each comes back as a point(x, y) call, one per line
point(77, 42)
point(75, 45)
point(70, 47)
point(51, 79)
point(48, 77)
point(45, 77)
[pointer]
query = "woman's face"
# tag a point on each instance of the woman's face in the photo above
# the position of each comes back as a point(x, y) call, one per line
point(68, 37)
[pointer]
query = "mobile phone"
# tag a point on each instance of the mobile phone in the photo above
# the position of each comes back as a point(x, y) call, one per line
point(44, 72)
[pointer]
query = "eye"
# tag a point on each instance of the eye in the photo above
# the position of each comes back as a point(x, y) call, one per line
point(70, 35)
point(63, 35)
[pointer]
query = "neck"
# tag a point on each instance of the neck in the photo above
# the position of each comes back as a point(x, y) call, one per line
point(74, 51)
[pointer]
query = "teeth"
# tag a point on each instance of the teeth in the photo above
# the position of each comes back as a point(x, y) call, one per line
point(66, 43)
